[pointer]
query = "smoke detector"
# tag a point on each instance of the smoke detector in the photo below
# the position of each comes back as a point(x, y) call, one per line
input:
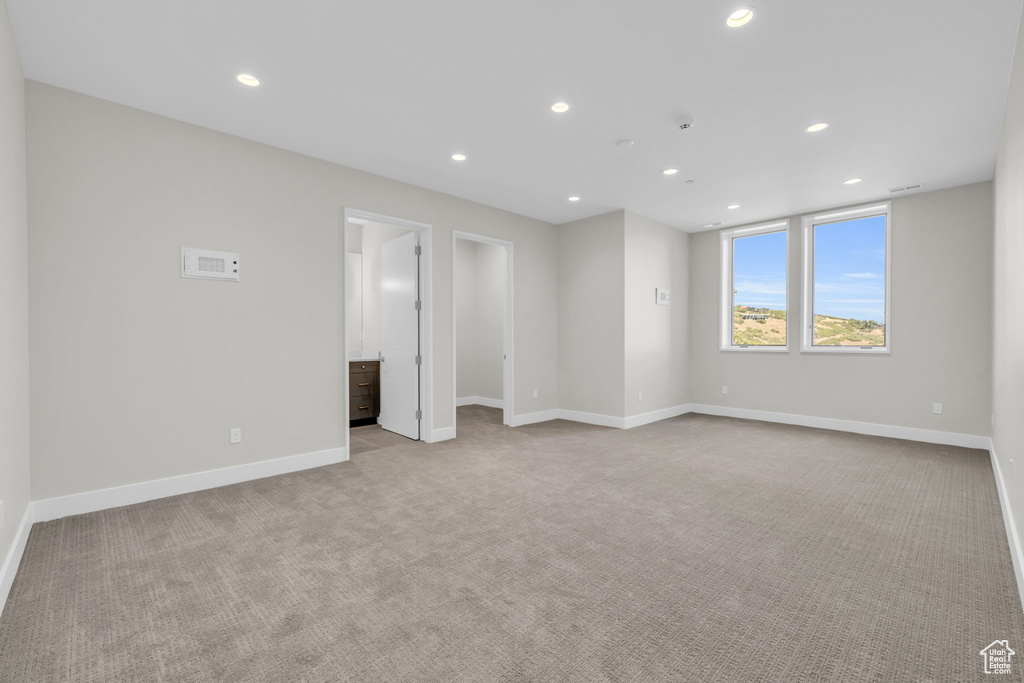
point(684, 122)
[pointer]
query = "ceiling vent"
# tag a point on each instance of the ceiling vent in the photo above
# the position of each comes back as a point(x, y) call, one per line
point(908, 188)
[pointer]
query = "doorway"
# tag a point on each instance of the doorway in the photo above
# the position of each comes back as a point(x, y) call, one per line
point(482, 325)
point(387, 361)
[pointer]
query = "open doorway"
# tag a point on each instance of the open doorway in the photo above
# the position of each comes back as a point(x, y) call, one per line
point(482, 321)
point(387, 360)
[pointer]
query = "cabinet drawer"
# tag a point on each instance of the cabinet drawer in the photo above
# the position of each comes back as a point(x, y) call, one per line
point(360, 408)
point(360, 381)
point(364, 366)
point(365, 390)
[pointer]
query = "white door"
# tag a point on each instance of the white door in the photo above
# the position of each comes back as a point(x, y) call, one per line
point(400, 336)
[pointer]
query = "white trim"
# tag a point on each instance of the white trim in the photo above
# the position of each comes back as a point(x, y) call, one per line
point(508, 371)
point(533, 418)
point(726, 294)
point(479, 401)
point(443, 434)
point(657, 415)
point(1012, 537)
point(13, 560)
point(424, 230)
point(870, 428)
point(130, 494)
point(592, 418)
point(807, 321)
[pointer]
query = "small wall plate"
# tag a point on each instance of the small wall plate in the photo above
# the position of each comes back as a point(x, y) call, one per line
point(209, 265)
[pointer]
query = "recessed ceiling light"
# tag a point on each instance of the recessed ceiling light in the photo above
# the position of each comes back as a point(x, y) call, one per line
point(625, 143)
point(740, 17)
point(817, 127)
point(574, 199)
point(733, 206)
point(248, 79)
point(852, 181)
point(670, 171)
point(712, 225)
point(458, 157)
point(560, 107)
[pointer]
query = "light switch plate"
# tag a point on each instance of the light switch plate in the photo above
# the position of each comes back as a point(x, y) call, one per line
point(662, 297)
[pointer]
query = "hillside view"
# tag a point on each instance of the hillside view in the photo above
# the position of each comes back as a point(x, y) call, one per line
point(767, 327)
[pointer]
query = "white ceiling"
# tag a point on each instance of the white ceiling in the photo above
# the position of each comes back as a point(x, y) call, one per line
point(914, 90)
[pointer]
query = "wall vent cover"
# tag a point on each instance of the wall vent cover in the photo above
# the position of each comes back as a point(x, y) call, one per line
point(209, 265)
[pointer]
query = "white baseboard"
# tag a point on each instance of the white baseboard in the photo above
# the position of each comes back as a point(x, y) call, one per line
point(870, 428)
point(1016, 550)
point(443, 434)
point(480, 401)
point(592, 418)
point(91, 501)
point(598, 419)
point(657, 415)
point(10, 566)
point(533, 418)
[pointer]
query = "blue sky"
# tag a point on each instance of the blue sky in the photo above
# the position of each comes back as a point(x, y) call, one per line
point(849, 269)
point(849, 273)
point(759, 271)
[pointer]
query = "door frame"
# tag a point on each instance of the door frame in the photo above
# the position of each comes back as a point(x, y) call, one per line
point(424, 232)
point(508, 372)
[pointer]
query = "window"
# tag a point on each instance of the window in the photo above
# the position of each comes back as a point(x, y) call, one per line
point(754, 288)
point(846, 281)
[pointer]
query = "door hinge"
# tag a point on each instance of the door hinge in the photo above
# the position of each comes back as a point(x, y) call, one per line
point(419, 414)
point(418, 250)
point(418, 305)
point(419, 360)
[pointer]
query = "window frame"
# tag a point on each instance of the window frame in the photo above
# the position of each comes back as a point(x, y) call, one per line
point(810, 222)
point(726, 295)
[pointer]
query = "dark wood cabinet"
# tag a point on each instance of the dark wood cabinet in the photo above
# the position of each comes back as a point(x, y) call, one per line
point(364, 391)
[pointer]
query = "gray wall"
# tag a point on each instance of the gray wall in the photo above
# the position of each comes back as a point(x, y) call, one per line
point(656, 348)
point(941, 306)
point(591, 324)
point(14, 360)
point(614, 341)
point(1008, 327)
point(354, 301)
point(139, 374)
point(465, 318)
point(480, 320)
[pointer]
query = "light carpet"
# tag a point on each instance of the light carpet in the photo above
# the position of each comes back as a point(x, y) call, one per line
point(694, 549)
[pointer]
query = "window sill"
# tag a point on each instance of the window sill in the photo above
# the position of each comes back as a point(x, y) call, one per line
point(848, 350)
point(755, 349)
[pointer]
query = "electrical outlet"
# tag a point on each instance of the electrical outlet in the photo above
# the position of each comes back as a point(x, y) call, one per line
point(536, 394)
point(725, 390)
point(937, 408)
point(639, 395)
point(236, 435)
